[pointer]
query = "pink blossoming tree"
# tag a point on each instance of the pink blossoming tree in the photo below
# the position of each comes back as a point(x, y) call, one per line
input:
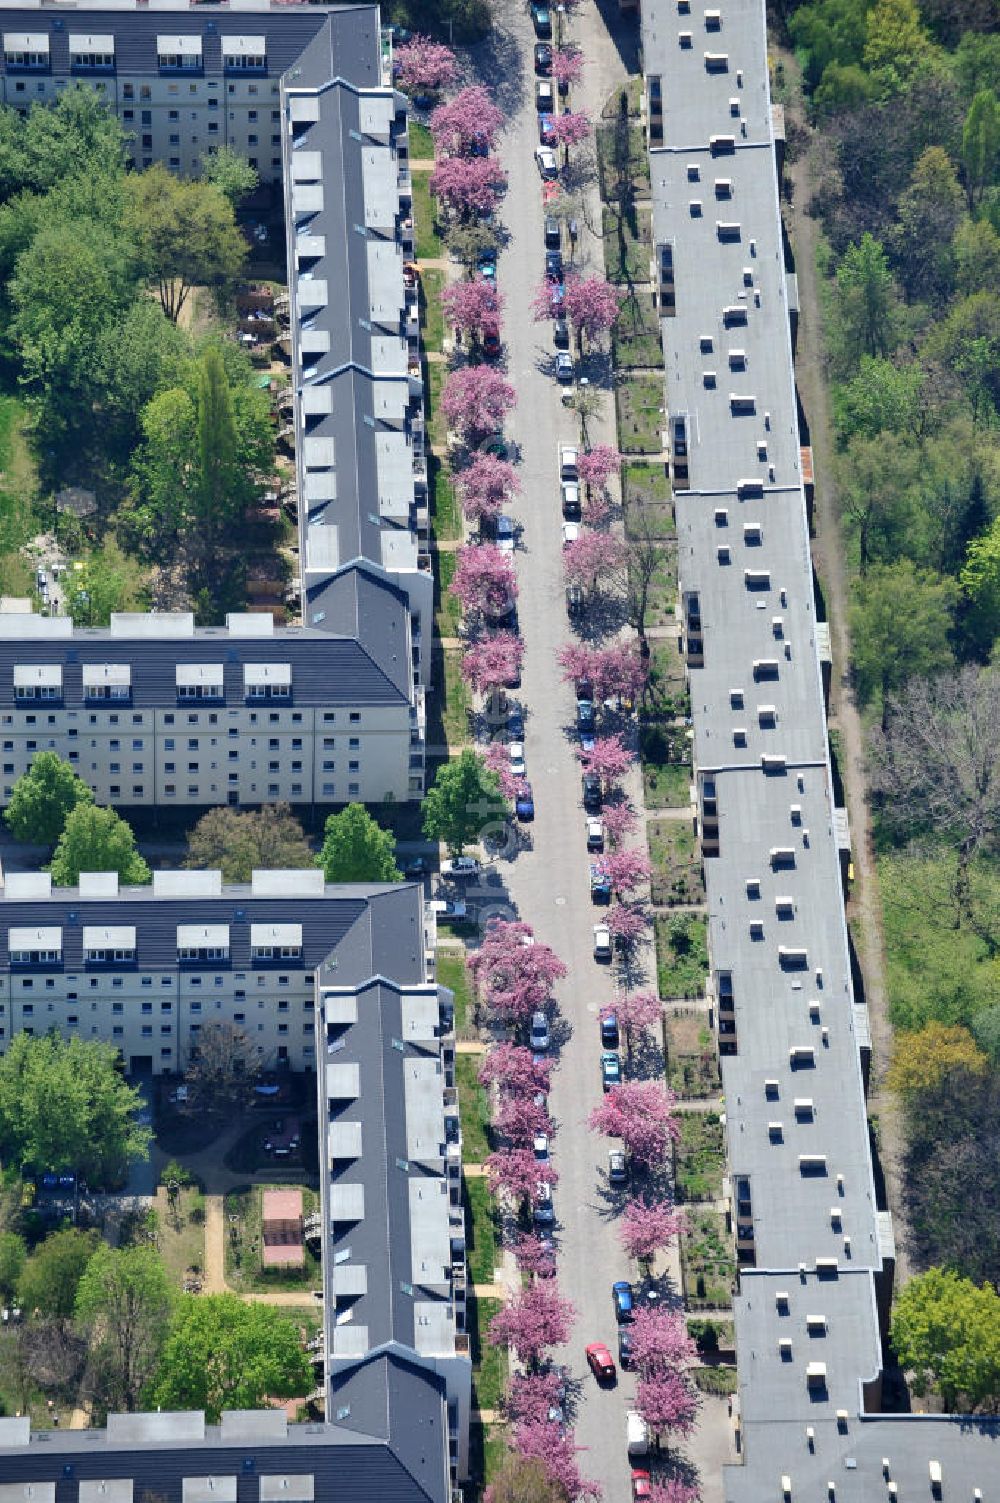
point(660, 1339)
point(476, 399)
point(530, 1396)
point(468, 186)
point(673, 1490)
point(592, 558)
point(485, 486)
point(484, 581)
point(534, 1256)
point(493, 661)
point(625, 870)
point(668, 1401)
point(545, 302)
point(535, 1319)
point(596, 466)
point(520, 1118)
point(511, 1067)
point(473, 307)
point(620, 821)
point(423, 65)
point(629, 924)
point(641, 1113)
point(571, 128)
point(497, 759)
point(592, 306)
point(516, 978)
point(646, 1226)
point(636, 1012)
point(467, 119)
point(516, 1172)
point(567, 65)
point(610, 759)
point(618, 672)
point(596, 508)
point(557, 1452)
point(577, 660)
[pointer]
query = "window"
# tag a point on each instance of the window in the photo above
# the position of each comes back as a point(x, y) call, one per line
point(354, 742)
point(147, 1007)
point(355, 717)
point(272, 790)
point(169, 767)
point(173, 114)
point(329, 767)
point(353, 789)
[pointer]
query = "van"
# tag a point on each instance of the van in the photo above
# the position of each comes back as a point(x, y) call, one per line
point(636, 1434)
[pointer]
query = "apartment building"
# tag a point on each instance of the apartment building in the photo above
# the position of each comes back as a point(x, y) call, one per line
point(814, 1245)
point(305, 93)
point(339, 976)
point(154, 711)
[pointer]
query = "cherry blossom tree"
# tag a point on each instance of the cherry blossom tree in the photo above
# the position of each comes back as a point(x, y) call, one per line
point(592, 306)
point(515, 973)
point(536, 1318)
point(610, 759)
point(660, 1339)
point(673, 1490)
point(596, 508)
point(557, 1452)
point(511, 1067)
point(592, 558)
point(625, 870)
point(668, 1400)
point(533, 1255)
point(620, 820)
point(567, 65)
point(577, 660)
point(619, 671)
point(596, 466)
point(628, 923)
point(473, 307)
point(484, 581)
point(517, 1173)
point(424, 65)
point(647, 1226)
point(493, 662)
point(546, 301)
point(640, 1112)
point(476, 399)
point(637, 1011)
point(520, 1118)
point(469, 118)
point(497, 759)
point(485, 486)
point(571, 128)
point(468, 186)
point(530, 1396)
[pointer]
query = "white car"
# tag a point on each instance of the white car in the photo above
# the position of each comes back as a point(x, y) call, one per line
point(539, 1032)
point(461, 866)
point(547, 164)
point(570, 532)
point(448, 908)
point(571, 500)
point(602, 942)
point(505, 534)
point(517, 765)
point(595, 835)
point(568, 457)
point(540, 1145)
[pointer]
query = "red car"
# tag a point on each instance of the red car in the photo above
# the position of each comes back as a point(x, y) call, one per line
point(600, 1362)
point(640, 1485)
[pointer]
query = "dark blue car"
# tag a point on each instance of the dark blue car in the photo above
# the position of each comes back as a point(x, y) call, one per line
point(621, 1298)
point(524, 803)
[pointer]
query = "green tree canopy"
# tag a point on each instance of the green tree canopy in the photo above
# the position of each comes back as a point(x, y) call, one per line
point(921, 1059)
point(981, 145)
point(238, 842)
point(97, 840)
point(76, 136)
point(125, 1297)
point(51, 1276)
point(929, 213)
point(896, 39)
point(882, 396)
point(463, 800)
point(980, 581)
point(13, 1254)
point(223, 1354)
point(866, 300)
point(946, 1332)
point(186, 234)
point(98, 585)
point(230, 173)
point(357, 849)
point(977, 256)
point(42, 798)
point(901, 618)
point(65, 1106)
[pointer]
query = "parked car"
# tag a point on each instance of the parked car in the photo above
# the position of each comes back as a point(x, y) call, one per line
point(622, 1301)
point(617, 1167)
point(504, 531)
point(568, 457)
point(553, 233)
point(595, 835)
point(587, 741)
point(547, 1256)
point(546, 134)
point(540, 1147)
point(554, 269)
point(592, 793)
point(516, 753)
point(600, 886)
point(416, 866)
point(492, 348)
point(479, 146)
point(544, 97)
point(449, 908)
point(609, 1029)
point(611, 1067)
point(179, 1096)
point(539, 1032)
point(625, 1349)
point(545, 159)
point(543, 59)
point(460, 866)
point(524, 803)
point(515, 723)
point(282, 1139)
point(600, 1362)
point(560, 334)
point(636, 1434)
point(543, 1212)
point(641, 1488)
point(574, 599)
point(585, 719)
point(570, 533)
point(570, 491)
point(541, 19)
point(564, 367)
point(486, 263)
point(602, 943)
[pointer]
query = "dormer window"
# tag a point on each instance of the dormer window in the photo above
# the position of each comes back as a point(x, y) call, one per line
point(267, 681)
point(202, 942)
point(178, 54)
point(28, 947)
point(108, 946)
point(244, 54)
point(34, 682)
point(197, 681)
point(26, 51)
point(91, 53)
point(274, 942)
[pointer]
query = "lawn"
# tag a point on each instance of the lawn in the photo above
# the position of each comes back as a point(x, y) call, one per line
point(18, 487)
point(474, 1105)
point(641, 421)
point(489, 1363)
point(631, 93)
point(622, 164)
point(447, 608)
point(645, 484)
point(699, 1156)
point(452, 973)
point(180, 1232)
point(692, 1063)
point(429, 244)
point(636, 335)
point(627, 244)
point(707, 1262)
point(453, 696)
point(244, 1243)
point(661, 594)
point(434, 374)
point(446, 515)
point(666, 766)
point(667, 690)
point(681, 955)
point(720, 1381)
point(480, 1229)
point(421, 142)
point(676, 858)
point(432, 316)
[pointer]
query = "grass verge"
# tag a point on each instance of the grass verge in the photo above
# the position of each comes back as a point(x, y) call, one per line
point(480, 1229)
point(681, 955)
point(474, 1106)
